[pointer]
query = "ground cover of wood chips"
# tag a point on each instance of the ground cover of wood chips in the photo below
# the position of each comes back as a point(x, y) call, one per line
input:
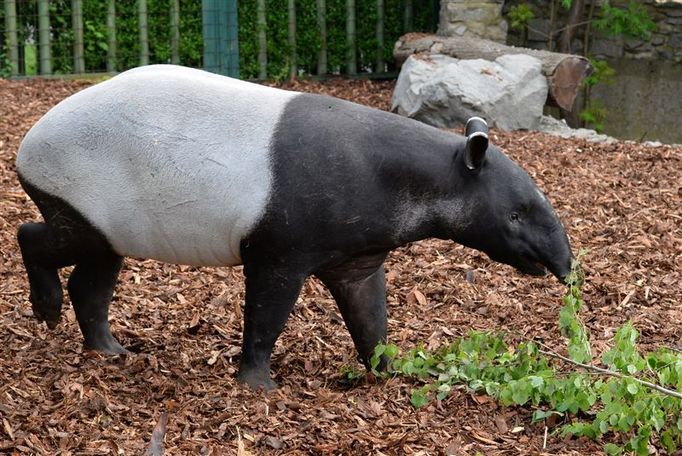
point(183, 325)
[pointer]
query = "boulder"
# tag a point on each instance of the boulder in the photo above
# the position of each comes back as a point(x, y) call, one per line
point(442, 91)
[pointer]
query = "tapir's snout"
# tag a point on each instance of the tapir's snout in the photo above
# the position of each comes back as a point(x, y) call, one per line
point(555, 257)
point(561, 258)
point(561, 271)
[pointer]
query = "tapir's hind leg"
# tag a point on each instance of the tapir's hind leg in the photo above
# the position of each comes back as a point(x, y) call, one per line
point(41, 260)
point(67, 238)
point(91, 286)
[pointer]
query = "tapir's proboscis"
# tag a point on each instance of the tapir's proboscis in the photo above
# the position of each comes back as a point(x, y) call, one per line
point(188, 167)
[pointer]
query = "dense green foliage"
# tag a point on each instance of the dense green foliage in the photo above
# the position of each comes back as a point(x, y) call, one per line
point(191, 38)
point(520, 15)
point(127, 33)
point(619, 406)
point(631, 21)
point(308, 38)
point(95, 34)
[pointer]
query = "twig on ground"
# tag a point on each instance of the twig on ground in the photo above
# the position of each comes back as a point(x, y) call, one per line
point(156, 445)
point(673, 349)
point(654, 386)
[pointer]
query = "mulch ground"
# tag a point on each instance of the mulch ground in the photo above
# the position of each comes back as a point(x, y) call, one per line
point(622, 202)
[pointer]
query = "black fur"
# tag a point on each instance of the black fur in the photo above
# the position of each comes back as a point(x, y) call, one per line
point(65, 239)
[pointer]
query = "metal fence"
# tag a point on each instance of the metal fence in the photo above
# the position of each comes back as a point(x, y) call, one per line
point(60, 37)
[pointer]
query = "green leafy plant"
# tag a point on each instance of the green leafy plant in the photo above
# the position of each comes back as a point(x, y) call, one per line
point(594, 115)
point(602, 72)
point(5, 64)
point(351, 373)
point(634, 400)
point(570, 325)
point(632, 21)
point(520, 16)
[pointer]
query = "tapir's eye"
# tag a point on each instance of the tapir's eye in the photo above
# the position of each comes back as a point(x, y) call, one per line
point(514, 217)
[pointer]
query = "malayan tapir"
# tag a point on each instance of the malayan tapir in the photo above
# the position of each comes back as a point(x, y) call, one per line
point(188, 167)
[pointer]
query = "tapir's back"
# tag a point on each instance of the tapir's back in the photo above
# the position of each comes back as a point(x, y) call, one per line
point(167, 162)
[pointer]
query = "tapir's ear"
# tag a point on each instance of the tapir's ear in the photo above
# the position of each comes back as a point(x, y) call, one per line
point(476, 131)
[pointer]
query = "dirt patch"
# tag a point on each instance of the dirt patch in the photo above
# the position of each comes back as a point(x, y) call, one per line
point(622, 202)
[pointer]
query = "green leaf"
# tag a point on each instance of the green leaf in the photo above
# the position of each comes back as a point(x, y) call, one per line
point(542, 414)
point(603, 426)
point(535, 381)
point(419, 399)
point(443, 391)
point(632, 388)
point(376, 357)
point(612, 449)
point(668, 441)
point(520, 392)
point(391, 351)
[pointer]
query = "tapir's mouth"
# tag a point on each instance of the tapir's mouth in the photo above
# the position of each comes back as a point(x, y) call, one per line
point(531, 266)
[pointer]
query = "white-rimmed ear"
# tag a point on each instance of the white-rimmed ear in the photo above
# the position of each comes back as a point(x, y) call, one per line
point(476, 131)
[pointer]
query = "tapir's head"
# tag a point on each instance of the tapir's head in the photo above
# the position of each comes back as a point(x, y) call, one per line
point(509, 218)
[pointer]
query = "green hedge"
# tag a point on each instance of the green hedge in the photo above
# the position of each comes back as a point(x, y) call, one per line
point(308, 39)
point(191, 44)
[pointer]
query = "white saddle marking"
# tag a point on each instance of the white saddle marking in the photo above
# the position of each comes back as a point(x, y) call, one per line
point(169, 163)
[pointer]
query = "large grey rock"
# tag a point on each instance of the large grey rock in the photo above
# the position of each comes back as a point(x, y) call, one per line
point(444, 92)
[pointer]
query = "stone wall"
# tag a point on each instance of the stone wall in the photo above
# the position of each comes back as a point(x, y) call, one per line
point(473, 18)
point(665, 42)
point(643, 103)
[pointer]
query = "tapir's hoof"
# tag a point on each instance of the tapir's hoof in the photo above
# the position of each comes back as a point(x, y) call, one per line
point(256, 380)
point(52, 324)
point(106, 347)
point(50, 318)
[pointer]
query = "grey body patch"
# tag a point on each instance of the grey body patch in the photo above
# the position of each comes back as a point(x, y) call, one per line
point(169, 163)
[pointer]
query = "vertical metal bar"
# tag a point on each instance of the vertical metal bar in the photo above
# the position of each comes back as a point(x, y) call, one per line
point(11, 31)
point(220, 23)
point(221, 36)
point(222, 33)
point(232, 39)
point(44, 37)
point(209, 31)
point(144, 32)
point(408, 23)
point(292, 40)
point(77, 25)
point(322, 27)
point(175, 31)
point(111, 36)
point(261, 25)
point(381, 66)
point(351, 53)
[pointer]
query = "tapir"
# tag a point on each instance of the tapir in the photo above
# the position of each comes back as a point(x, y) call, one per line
point(188, 167)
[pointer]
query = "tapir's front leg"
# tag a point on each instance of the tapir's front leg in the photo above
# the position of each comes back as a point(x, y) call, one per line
point(271, 293)
point(360, 293)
